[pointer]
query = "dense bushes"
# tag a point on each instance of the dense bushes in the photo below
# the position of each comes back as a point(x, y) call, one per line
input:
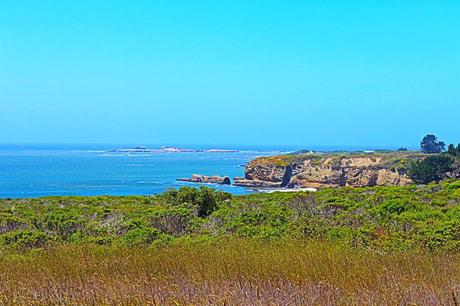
point(385, 218)
point(21, 239)
point(140, 236)
point(431, 169)
point(453, 150)
point(205, 199)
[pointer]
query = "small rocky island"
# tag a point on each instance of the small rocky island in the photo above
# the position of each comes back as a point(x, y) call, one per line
point(165, 149)
point(198, 178)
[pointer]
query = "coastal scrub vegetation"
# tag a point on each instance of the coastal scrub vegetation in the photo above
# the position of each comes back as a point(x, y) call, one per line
point(431, 169)
point(380, 245)
point(438, 165)
point(453, 150)
point(406, 218)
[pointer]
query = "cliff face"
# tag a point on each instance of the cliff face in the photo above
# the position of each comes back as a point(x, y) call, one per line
point(328, 170)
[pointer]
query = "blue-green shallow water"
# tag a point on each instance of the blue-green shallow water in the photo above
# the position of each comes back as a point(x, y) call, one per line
point(35, 171)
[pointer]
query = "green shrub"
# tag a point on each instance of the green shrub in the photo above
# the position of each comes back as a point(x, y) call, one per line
point(140, 236)
point(309, 227)
point(60, 224)
point(340, 234)
point(205, 199)
point(10, 223)
point(390, 208)
point(21, 239)
point(453, 185)
point(174, 222)
point(440, 235)
point(431, 169)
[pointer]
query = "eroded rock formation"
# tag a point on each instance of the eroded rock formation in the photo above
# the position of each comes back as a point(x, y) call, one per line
point(198, 178)
point(328, 170)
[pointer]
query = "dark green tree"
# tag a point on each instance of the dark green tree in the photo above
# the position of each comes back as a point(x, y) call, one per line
point(452, 150)
point(431, 145)
point(431, 169)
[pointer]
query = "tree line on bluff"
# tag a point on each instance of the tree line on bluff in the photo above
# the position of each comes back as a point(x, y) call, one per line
point(434, 167)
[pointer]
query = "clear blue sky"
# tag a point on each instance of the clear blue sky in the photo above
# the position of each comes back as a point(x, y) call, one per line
point(230, 72)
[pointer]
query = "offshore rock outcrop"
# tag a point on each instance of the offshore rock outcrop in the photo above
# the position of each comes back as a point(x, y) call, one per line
point(198, 178)
point(255, 183)
point(328, 170)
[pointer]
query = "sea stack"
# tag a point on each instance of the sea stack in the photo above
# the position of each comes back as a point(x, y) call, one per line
point(198, 178)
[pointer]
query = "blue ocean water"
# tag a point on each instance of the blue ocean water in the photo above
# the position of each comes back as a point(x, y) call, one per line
point(54, 170)
point(47, 170)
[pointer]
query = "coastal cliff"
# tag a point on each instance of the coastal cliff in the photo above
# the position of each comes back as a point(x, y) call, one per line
point(329, 170)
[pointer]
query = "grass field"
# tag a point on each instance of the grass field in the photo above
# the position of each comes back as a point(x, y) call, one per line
point(234, 272)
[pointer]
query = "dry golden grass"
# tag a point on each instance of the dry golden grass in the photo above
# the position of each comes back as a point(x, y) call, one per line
point(229, 273)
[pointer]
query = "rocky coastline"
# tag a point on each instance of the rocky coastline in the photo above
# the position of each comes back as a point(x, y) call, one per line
point(321, 170)
point(328, 170)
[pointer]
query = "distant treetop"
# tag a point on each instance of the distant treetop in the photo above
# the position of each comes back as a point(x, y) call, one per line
point(453, 151)
point(431, 145)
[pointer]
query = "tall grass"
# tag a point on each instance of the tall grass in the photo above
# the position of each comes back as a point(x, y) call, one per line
point(234, 272)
